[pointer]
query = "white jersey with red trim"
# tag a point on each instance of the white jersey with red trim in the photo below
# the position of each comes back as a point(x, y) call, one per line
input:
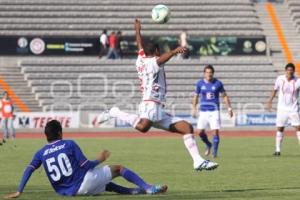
point(152, 78)
point(288, 92)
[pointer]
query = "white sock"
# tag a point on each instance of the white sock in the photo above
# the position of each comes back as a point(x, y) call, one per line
point(298, 136)
point(191, 145)
point(279, 137)
point(131, 119)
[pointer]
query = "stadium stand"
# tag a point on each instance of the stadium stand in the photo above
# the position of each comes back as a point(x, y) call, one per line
point(76, 17)
point(247, 79)
point(294, 8)
point(88, 18)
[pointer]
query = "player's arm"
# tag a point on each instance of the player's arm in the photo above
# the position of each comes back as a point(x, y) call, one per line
point(138, 36)
point(168, 55)
point(35, 164)
point(227, 103)
point(195, 101)
point(273, 94)
point(269, 103)
point(84, 162)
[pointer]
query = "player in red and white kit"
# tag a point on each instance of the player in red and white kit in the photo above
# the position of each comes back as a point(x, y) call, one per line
point(288, 87)
point(7, 112)
point(150, 68)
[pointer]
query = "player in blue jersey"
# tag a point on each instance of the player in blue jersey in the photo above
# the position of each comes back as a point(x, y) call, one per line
point(71, 173)
point(209, 90)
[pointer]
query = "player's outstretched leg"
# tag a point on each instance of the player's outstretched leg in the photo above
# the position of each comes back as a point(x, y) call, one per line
point(298, 133)
point(133, 120)
point(130, 176)
point(204, 138)
point(186, 129)
point(112, 187)
point(278, 141)
point(216, 141)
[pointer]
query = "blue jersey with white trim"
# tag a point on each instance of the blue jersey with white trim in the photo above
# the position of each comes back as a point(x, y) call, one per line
point(64, 164)
point(209, 94)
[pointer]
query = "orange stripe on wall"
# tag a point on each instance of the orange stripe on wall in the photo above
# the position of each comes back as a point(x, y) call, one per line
point(276, 24)
point(13, 96)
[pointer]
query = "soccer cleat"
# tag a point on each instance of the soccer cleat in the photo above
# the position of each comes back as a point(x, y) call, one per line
point(207, 151)
point(277, 153)
point(113, 112)
point(103, 117)
point(207, 165)
point(157, 189)
point(138, 191)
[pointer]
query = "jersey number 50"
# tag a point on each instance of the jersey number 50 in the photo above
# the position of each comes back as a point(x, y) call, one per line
point(63, 168)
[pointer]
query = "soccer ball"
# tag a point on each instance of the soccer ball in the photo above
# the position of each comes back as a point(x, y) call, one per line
point(160, 14)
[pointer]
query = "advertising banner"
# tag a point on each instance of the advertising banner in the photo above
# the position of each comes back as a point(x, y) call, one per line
point(40, 119)
point(72, 45)
point(256, 120)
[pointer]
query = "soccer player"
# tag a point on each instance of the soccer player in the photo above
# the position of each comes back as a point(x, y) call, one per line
point(150, 69)
point(287, 87)
point(71, 173)
point(209, 89)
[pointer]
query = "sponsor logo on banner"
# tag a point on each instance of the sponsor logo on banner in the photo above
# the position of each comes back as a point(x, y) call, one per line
point(37, 46)
point(256, 120)
point(93, 122)
point(40, 119)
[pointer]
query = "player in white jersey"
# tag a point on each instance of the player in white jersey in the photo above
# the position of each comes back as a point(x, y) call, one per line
point(287, 86)
point(150, 68)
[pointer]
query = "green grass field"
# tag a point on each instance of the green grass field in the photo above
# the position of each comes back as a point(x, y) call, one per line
point(247, 168)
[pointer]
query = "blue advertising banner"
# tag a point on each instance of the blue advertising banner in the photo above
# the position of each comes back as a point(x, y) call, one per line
point(256, 120)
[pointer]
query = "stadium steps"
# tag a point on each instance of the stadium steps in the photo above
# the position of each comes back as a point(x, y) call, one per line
point(14, 78)
point(248, 80)
point(88, 18)
point(289, 31)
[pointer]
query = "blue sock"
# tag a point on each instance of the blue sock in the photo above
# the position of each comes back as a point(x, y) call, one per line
point(134, 178)
point(216, 145)
point(112, 187)
point(204, 138)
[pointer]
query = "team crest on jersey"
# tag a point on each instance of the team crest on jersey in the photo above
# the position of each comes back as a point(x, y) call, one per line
point(213, 88)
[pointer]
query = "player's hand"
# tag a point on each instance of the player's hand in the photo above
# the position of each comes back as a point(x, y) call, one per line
point(13, 195)
point(230, 113)
point(103, 155)
point(179, 50)
point(137, 24)
point(269, 106)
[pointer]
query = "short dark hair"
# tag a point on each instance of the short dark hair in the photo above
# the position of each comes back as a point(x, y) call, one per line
point(290, 65)
point(53, 130)
point(209, 67)
point(150, 47)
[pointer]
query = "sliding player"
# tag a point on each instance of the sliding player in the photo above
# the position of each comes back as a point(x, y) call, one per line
point(71, 173)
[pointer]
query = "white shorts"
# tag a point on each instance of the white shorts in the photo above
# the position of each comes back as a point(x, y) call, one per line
point(155, 112)
point(284, 117)
point(95, 181)
point(209, 119)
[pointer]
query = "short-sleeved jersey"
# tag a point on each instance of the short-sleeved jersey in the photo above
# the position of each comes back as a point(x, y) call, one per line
point(209, 94)
point(288, 92)
point(152, 78)
point(64, 163)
